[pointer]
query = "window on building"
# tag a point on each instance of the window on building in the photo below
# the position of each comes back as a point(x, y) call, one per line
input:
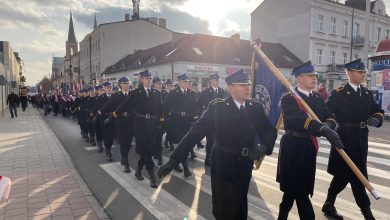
point(345, 58)
point(197, 51)
point(356, 30)
point(356, 56)
point(378, 34)
point(319, 56)
point(387, 34)
point(320, 21)
point(332, 26)
point(345, 28)
point(332, 55)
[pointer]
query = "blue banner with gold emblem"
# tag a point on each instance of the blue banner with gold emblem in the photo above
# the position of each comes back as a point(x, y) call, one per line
point(267, 89)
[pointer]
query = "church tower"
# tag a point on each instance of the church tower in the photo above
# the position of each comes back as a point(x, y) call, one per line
point(72, 46)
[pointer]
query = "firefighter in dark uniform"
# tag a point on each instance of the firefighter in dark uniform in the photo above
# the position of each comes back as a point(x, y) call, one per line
point(146, 104)
point(299, 145)
point(83, 115)
point(206, 96)
point(108, 129)
point(157, 84)
point(97, 118)
point(355, 109)
point(89, 110)
point(195, 88)
point(123, 125)
point(181, 108)
point(235, 122)
point(168, 143)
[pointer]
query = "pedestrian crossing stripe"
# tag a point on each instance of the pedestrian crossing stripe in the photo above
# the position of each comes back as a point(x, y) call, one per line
point(347, 209)
point(159, 202)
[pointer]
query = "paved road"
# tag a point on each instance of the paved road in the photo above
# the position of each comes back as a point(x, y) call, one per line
point(124, 197)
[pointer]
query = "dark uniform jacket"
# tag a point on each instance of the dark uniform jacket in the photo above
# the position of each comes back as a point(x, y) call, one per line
point(147, 111)
point(123, 125)
point(233, 130)
point(230, 129)
point(181, 110)
point(297, 155)
point(207, 95)
point(349, 107)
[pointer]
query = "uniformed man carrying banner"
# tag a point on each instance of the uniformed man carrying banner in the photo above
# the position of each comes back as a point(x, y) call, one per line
point(235, 122)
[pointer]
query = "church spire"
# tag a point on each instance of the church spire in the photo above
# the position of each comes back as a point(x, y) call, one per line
point(95, 22)
point(71, 35)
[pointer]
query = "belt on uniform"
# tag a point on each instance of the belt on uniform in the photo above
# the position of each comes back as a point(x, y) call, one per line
point(183, 114)
point(146, 116)
point(297, 134)
point(244, 152)
point(353, 124)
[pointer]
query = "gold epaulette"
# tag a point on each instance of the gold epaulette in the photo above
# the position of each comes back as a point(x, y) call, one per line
point(254, 100)
point(217, 100)
point(161, 119)
point(114, 114)
point(339, 89)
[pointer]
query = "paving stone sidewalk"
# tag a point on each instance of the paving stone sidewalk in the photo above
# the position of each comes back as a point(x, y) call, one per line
point(45, 182)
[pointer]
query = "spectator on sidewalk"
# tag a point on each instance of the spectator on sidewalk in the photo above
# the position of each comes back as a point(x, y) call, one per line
point(55, 102)
point(323, 92)
point(12, 100)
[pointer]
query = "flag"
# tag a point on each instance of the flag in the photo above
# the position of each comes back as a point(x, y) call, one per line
point(267, 89)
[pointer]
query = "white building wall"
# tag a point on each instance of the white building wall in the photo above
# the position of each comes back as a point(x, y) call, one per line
point(109, 43)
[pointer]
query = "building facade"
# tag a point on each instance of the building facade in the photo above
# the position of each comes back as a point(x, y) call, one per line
point(326, 32)
point(110, 42)
point(199, 56)
point(11, 70)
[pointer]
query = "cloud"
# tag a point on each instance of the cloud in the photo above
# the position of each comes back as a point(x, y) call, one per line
point(41, 47)
point(21, 13)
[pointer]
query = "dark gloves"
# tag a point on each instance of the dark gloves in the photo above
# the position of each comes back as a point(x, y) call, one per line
point(166, 168)
point(258, 152)
point(332, 137)
point(372, 121)
point(331, 124)
point(108, 121)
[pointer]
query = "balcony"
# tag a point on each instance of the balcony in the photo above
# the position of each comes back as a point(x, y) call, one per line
point(335, 68)
point(358, 41)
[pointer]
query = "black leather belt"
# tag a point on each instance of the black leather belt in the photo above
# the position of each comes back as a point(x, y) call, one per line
point(182, 114)
point(297, 134)
point(243, 152)
point(353, 124)
point(147, 116)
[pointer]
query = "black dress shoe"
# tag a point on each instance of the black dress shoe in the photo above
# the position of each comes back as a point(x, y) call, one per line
point(367, 214)
point(187, 173)
point(138, 175)
point(160, 162)
point(127, 169)
point(177, 168)
point(331, 211)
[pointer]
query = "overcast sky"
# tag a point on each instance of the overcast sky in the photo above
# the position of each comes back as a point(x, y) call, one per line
point(38, 28)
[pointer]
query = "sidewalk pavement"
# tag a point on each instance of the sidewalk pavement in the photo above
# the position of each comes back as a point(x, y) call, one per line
point(45, 182)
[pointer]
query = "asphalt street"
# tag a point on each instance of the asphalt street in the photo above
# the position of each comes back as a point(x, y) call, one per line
point(124, 197)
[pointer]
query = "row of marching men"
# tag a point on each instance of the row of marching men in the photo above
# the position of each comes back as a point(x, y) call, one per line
point(145, 113)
